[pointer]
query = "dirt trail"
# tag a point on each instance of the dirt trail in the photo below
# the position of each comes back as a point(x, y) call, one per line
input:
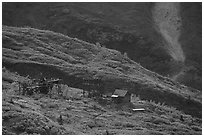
point(168, 23)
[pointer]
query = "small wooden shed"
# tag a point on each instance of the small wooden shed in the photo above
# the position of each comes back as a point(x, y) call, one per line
point(121, 96)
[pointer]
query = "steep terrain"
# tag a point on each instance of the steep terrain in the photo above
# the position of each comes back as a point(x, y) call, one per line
point(39, 114)
point(167, 19)
point(28, 51)
point(59, 56)
point(127, 27)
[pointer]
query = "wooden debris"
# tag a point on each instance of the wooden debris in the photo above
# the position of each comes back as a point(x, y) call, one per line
point(138, 109)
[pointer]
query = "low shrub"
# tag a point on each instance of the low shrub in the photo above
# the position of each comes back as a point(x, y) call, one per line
point(53, 106)
point(196, 128)
point(118, 124)
point(160, 121)
point(128, 125)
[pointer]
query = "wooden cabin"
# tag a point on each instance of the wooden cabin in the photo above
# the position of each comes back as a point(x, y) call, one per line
point(121, 96)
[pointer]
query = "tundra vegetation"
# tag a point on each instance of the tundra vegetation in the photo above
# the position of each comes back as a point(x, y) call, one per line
point(170, 108)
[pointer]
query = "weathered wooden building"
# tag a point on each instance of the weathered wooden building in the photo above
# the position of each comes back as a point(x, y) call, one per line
point(121, 96)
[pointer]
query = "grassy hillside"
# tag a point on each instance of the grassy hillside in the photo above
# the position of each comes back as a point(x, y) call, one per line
point(31, 52)
point(126, 27)
point(39, 114)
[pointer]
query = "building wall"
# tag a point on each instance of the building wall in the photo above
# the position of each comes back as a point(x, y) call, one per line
point(122, 100)
point(127, 98)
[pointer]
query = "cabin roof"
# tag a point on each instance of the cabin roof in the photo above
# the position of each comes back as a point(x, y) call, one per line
point(120, 93)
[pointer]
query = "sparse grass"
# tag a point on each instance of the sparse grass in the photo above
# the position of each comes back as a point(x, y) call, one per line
point(52, 106)
point(59, 66)
point(45, 119)
point(118, 124)
point(128, 125)
point(196, 128)
point(160, 121)
point(96, 22)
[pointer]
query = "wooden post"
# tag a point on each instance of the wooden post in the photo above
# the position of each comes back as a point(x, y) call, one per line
point(83, 92)
point(60, 120)
point(50, 92)
point(19, 88)
point(181, 118)
point(58, 89)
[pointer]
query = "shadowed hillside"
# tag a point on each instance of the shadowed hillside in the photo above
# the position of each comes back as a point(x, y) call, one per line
point(170, 108)
point(56, 55)
point(127, 27)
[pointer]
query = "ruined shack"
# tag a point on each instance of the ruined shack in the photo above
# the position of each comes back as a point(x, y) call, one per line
point(121, 96)
point(43, 86)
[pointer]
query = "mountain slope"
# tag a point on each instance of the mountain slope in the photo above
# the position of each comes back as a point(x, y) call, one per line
point(31, 52)
point(127, 27)
point(81, 115)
